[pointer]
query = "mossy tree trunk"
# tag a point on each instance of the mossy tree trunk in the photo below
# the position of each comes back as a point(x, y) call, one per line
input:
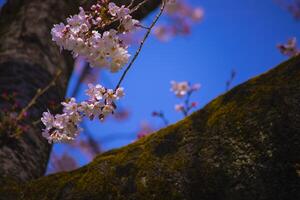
point(29, 60)
point(243, 145)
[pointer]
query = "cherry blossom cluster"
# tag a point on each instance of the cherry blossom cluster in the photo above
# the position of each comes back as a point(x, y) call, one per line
point(184, 89)
point(180, 17)
point(181, 8)
point(181, 89)
point(65, 126)
point(82, 35)
point(290, 48)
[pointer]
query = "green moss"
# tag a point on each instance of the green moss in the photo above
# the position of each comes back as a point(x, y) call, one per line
point(243, 145)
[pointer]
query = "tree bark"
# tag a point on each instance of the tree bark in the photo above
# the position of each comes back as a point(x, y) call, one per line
point(29, 60)
point(243, 145)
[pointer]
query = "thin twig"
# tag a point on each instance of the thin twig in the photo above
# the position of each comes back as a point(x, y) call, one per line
point(131, 3)
point(141, 44)
point(35, 123)
point(112, 23)
point(142, 26)
point(39, 93)
point(162, 116)
point(187, 104)
point(231, 79)
point(166, 122)
point(138, 6)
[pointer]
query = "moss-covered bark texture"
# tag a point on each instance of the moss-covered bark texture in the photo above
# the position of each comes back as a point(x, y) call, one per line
point(243, 145)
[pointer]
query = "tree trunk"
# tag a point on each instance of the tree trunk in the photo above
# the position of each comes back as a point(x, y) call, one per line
point(29, 60)
point(243, 145)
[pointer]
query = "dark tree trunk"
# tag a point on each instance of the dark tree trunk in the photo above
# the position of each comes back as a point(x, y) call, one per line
point(244, 145)
point(29, 60)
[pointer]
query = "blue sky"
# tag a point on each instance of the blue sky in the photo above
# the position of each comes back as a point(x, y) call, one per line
point(234, 34)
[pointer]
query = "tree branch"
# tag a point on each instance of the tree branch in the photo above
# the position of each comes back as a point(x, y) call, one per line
point(242, 145)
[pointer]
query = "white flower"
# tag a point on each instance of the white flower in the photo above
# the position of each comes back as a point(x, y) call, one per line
point(48, 119)
point(162, 33)
point(129, 23)
point(196, 87)
point(120, 12)
point(70, 107)
point(91, 109)
point(105, 50)
point(95, 92)
point(86, 108)
point(184, 89)
point(110, 38)
point(120, 92)
point(65, 126)
point(289, 49)
point(75, 118)
point(69, 43)
point(107, 109)
point(97, 108)
point(120, 58)
point(60, 121)
point(71, 130)
point(179, 107)
point(109, 96)
point(123, 12)
point(180, 89)
point(56, 136)
point(46, 134)
point(113, 9)
point(58, 33)
point(80, 19)
point(197, 14)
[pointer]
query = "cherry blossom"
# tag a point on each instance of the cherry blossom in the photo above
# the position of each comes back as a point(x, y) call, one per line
point(65, 126)
point(179, 107)
point(81, 35)
point(180, 88)
point(184, 89)
point(180, 17)
point(290, 48)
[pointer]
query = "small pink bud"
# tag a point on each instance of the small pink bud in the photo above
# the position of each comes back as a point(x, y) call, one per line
point(179, 107)
point(154, 113)
point(196, 86)
point(194, 104)
point(197, 14)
